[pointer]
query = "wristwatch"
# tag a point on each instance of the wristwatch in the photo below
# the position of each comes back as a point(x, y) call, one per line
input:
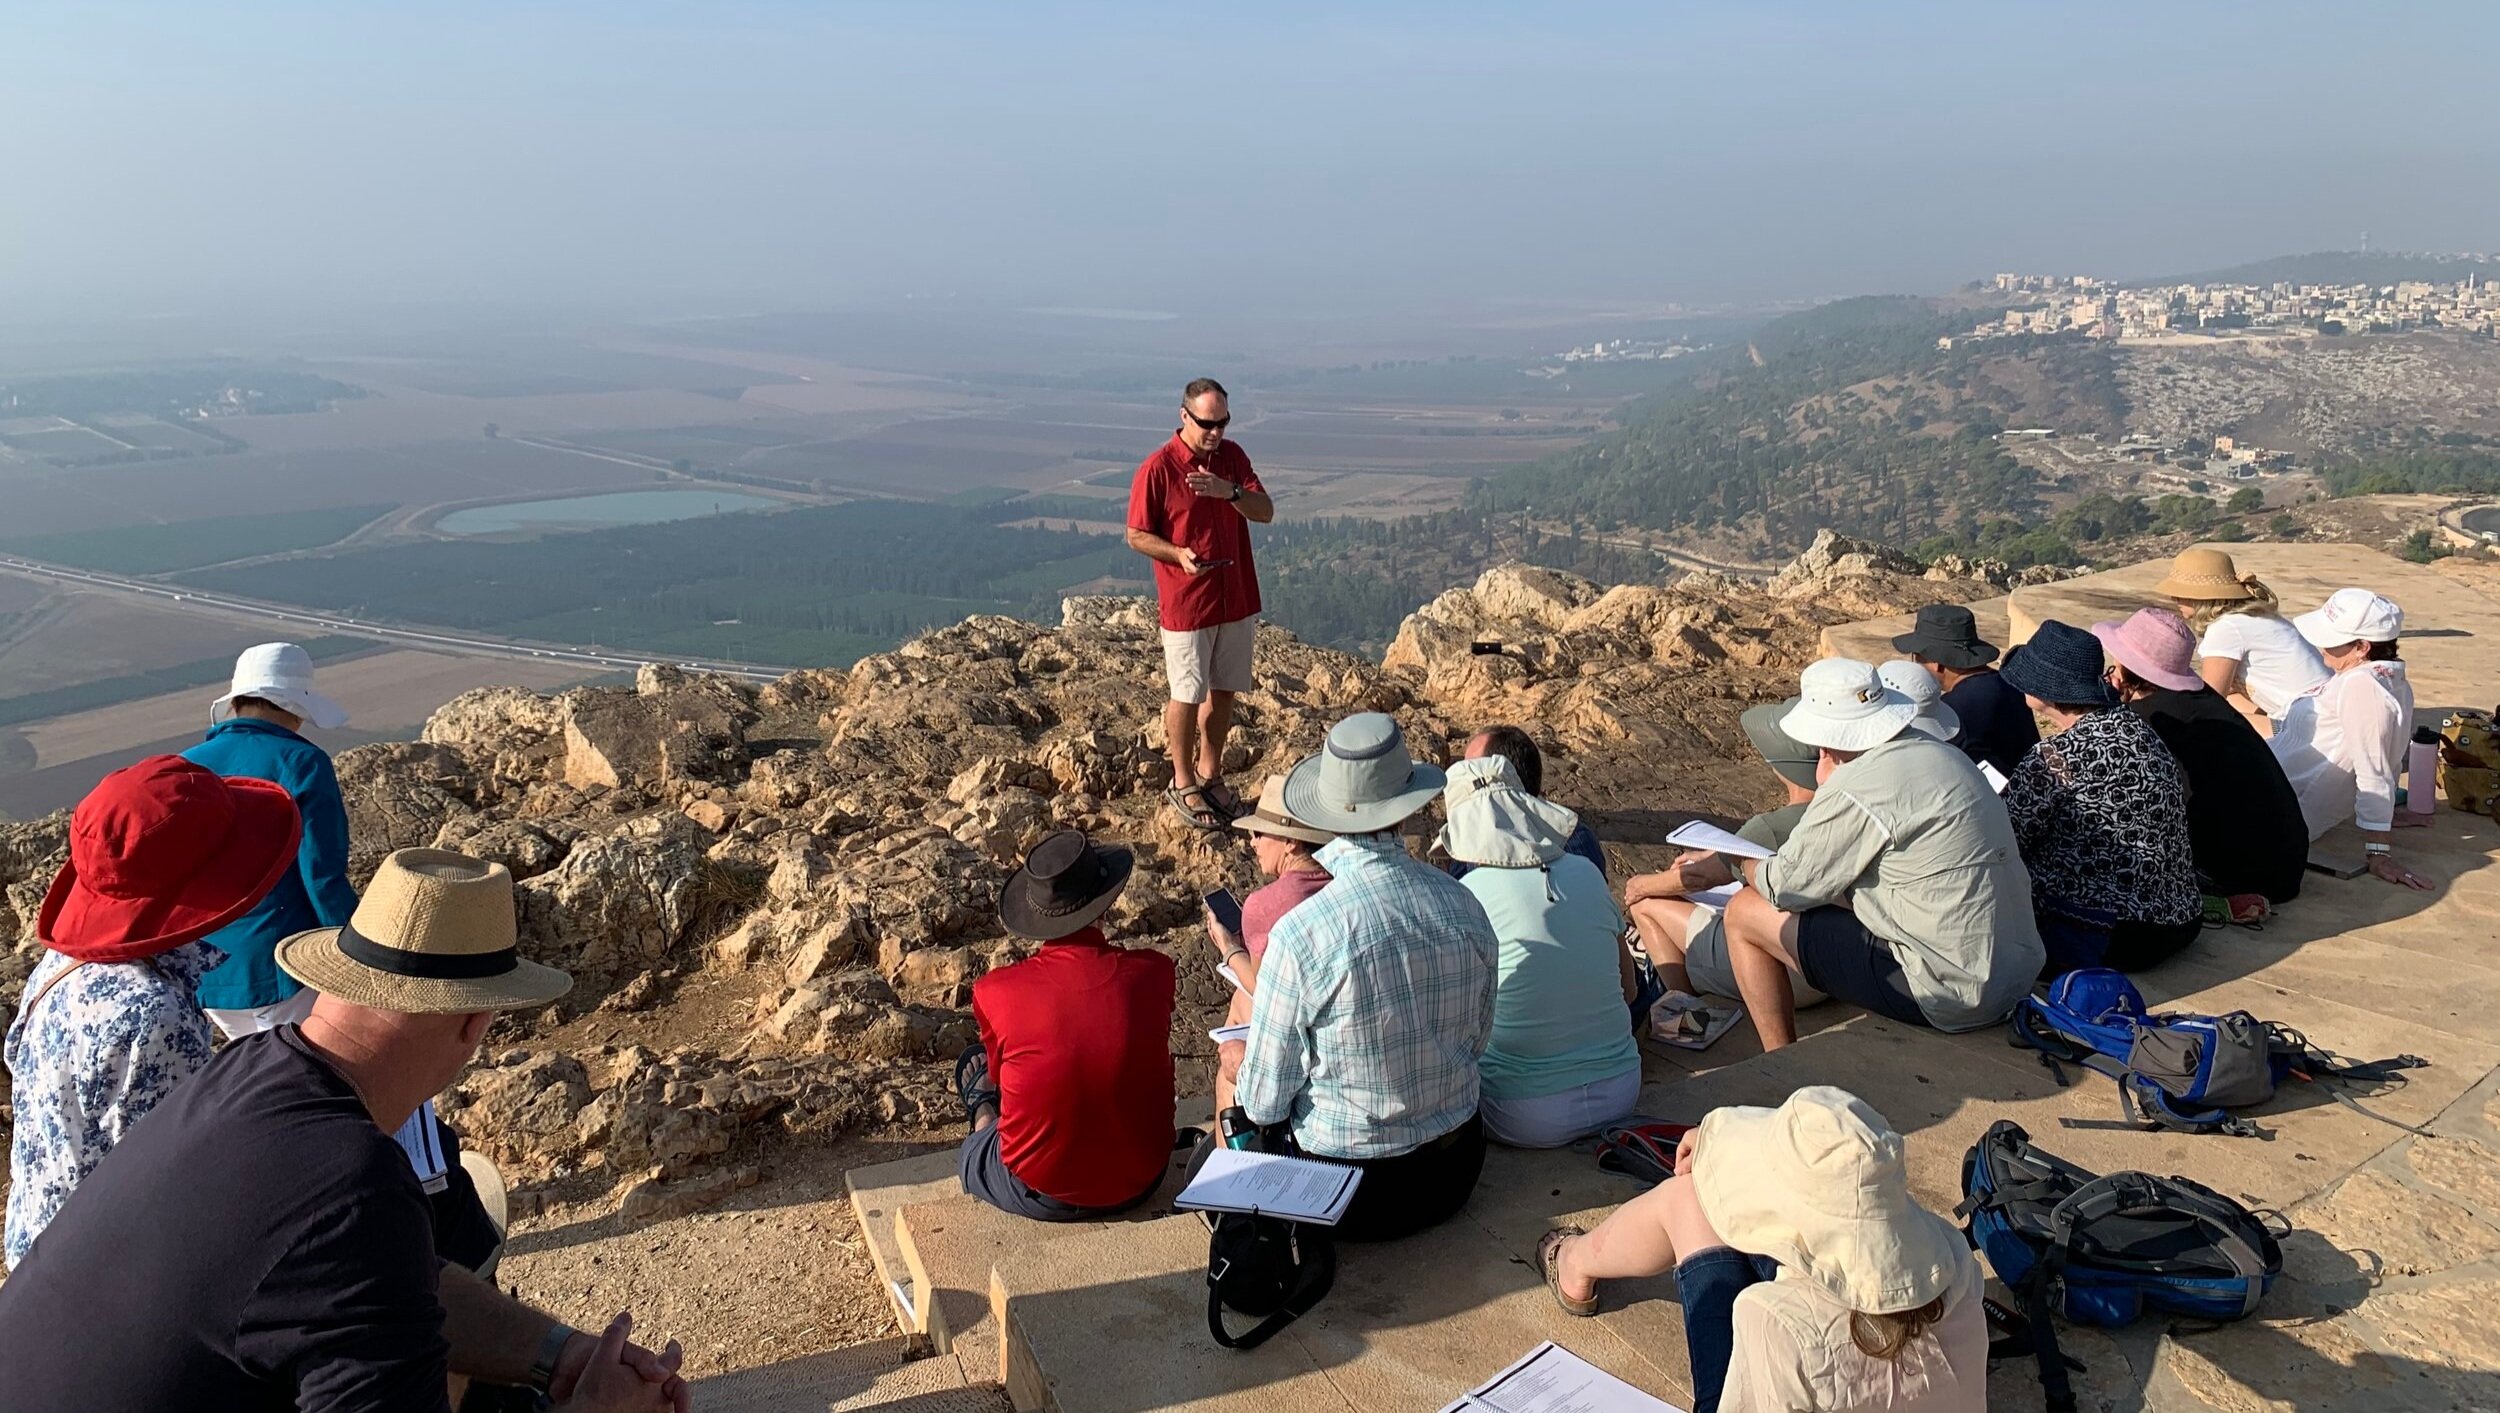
point(2378, 850)
point(550, 1353)
point(1236, 495)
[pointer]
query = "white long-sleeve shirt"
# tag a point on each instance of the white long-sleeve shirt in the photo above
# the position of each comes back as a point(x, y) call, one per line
point(2343, 747)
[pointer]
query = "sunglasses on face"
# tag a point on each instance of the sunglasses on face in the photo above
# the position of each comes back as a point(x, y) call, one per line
point(1204, 424)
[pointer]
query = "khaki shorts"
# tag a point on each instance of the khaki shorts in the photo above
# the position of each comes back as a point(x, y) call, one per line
point(1705, 958)
point(1209, 659)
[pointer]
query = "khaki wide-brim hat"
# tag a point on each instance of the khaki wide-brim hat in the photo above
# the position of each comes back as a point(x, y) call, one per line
point(1818, 1185)
point(2204, 574)
point(1495, 823)
point(1272, 818)
point(435, 933)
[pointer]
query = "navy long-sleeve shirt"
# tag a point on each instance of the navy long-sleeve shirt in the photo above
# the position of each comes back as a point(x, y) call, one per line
point(314, 894)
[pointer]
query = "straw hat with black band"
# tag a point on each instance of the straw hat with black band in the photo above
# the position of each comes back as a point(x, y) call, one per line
point(434, 934)
point(1273, 819)
point(1067, 883)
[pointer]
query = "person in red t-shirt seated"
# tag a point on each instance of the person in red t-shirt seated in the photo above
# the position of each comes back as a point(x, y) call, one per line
point(1190, 510)
point(1070, 1090)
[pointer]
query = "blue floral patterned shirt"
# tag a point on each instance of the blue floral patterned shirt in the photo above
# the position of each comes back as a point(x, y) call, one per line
point(102, 1049)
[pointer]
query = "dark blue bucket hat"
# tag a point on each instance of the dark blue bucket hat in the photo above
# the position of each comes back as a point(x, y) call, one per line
point(2061, 664)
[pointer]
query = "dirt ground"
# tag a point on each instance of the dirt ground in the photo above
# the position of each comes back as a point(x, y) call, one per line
point(774, 1272)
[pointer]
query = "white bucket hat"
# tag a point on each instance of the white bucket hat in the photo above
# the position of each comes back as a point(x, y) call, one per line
point(1843, 706)
point(1493, 820)
point(1817, 1184)
point(2351, 615)
point(1362, 781)
point(1926, 693)
point(282, 675)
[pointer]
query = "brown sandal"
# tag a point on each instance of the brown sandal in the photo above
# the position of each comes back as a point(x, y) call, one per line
point(1202, 815)
point(1549, 1264)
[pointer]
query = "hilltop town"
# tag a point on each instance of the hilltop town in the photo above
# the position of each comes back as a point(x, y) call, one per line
point(2101, 309)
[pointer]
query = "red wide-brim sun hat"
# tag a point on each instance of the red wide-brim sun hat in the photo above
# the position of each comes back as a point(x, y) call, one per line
point(127, 919)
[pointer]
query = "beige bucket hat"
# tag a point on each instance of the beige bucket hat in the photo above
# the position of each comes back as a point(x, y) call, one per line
point(1271, 817)
point(1843, 706)
point(435, 933)
point(1817, 1184)
point(2204, 574)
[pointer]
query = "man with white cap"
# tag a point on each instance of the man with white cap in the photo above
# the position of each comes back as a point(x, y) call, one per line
point(1901, 889)
point(2343, 745)
point(258, 1242)
point(1375, 998)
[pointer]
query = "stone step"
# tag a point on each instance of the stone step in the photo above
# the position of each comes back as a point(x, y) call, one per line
point(882, 1376)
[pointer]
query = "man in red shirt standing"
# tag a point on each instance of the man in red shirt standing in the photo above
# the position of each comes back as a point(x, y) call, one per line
point(1070, 1090)
point(1190, 511)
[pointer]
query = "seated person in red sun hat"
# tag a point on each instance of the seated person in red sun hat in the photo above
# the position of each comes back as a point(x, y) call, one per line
point(161, 854)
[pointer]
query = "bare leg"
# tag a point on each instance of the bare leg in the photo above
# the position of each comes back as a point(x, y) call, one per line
point(1180, 742)
point(1645, 1237)
point(1761, 947)
point(1663, 924)
point(1214, 727)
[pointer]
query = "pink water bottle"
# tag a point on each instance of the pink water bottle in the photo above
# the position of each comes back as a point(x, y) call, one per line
point(2422, 773)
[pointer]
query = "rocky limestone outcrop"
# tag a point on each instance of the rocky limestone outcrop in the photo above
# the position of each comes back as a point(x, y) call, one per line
point(791, 890)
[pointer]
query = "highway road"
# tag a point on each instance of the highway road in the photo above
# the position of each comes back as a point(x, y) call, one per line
point(432, 639)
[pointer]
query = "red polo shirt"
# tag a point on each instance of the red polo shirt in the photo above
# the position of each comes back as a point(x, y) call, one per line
point(1079, 1037)
point(1160, 502)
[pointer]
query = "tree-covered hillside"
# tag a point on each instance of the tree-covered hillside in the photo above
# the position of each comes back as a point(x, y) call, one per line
point(1848, 416)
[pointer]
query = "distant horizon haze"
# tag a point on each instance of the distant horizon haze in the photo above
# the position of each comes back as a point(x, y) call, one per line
point(274, 163)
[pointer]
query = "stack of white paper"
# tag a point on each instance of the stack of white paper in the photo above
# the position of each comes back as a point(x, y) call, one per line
point(1224, 1034)
point(1552, 1379)
point(1995, 777)
point(1297, 1189)
point(1720, 896)
point(1693, 834)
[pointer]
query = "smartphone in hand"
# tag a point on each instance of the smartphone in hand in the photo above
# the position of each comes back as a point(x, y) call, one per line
point(1227, 909)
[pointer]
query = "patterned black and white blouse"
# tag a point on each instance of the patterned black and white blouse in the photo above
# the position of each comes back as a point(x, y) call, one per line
point(2100, 811)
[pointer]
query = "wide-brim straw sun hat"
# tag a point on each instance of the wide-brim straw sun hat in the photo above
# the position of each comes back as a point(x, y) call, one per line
point(1362, 781)
point(1926, 693)
point(2154, 644)
point(2061, 665)
point(1272, 818)
point(1818, 1185)
point(1843, 706)
point(161, 854)
point(282, 675)
point(1793, 760)
point(1065, 886)
point(435, 933)
point(2205, 574)
point(2351, 616)
point(1493, 820)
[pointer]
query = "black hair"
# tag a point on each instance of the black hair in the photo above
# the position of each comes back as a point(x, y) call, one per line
point(1520, 747)
point(1200, 387)
point(2382, 652)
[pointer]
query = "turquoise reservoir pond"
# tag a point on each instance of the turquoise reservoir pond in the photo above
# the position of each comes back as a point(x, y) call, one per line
point(599, 512)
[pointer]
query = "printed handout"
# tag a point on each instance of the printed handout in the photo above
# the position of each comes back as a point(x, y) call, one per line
point(1299, 1189)
point(1693, 834)
point(1552, 1379)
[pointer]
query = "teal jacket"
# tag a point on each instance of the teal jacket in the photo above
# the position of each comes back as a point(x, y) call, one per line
point(313, 894)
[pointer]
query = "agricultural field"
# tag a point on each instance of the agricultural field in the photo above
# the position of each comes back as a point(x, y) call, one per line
point(189, 544)
point(71, 637)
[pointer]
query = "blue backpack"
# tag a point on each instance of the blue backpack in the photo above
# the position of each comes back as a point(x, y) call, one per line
point(2176, 1070)
point(2104, 1250)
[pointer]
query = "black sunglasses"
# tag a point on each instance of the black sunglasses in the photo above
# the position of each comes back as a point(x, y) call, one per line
point(1219, 424)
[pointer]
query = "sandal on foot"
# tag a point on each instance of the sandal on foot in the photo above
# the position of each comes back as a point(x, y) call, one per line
point(1549, 1265)
point(1223, 801)
point(1203, 814)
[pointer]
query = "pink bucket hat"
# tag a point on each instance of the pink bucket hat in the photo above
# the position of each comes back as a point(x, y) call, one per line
point(2154, 644)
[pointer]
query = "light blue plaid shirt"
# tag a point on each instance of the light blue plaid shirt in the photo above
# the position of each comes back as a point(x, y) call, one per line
point(1375, 1001)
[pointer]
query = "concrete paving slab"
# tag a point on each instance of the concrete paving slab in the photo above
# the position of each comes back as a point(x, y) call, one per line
point(879, 1193)
point(1113, 1320)
point(1413, 1324)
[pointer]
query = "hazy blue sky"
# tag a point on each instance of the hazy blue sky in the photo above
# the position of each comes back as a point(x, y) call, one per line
point(174, 157)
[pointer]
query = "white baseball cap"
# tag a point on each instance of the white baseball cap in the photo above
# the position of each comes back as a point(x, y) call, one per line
point(1843, 706)
point(282, 675)
point(2351, 615)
